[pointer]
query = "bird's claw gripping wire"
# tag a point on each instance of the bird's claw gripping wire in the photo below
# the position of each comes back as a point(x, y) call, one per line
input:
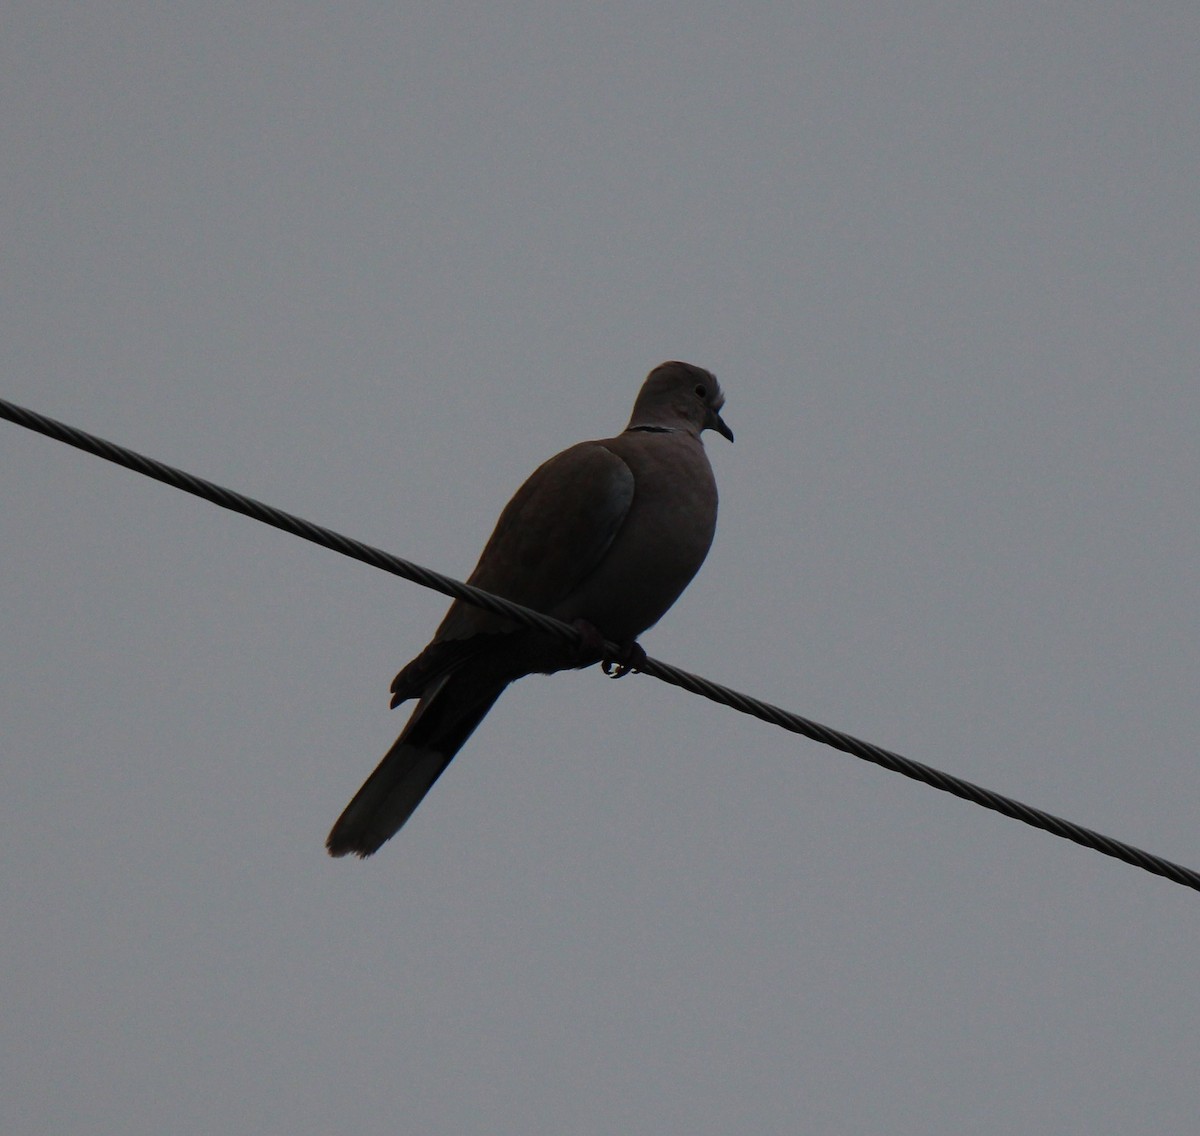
point(630, 657)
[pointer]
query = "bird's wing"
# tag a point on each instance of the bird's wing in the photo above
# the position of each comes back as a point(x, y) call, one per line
point(550, 537)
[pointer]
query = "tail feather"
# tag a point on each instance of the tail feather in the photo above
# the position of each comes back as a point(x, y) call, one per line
point(440, 725)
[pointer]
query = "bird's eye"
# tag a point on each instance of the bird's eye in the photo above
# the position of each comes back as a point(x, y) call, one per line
point(702, 391)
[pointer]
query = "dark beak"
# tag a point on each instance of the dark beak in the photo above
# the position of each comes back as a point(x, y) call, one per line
point(717, 423)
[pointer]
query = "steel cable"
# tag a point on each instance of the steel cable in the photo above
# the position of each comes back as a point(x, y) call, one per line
point(696, 684)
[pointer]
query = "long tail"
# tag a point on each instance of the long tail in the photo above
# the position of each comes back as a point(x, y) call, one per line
point(442, 721)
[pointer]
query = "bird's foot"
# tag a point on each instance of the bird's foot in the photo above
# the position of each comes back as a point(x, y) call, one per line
point(630, 657)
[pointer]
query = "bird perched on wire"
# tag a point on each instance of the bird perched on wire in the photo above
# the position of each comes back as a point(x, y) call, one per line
point(605, 535)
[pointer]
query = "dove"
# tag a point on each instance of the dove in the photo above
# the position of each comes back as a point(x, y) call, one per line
point(605, 536)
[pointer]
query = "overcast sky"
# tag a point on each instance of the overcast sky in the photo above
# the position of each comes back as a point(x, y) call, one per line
point(372, 264)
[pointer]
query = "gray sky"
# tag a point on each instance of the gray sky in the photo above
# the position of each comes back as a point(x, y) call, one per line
point(373, 264)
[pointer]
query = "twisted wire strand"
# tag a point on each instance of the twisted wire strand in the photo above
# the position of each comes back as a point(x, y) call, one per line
point(665, 672)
